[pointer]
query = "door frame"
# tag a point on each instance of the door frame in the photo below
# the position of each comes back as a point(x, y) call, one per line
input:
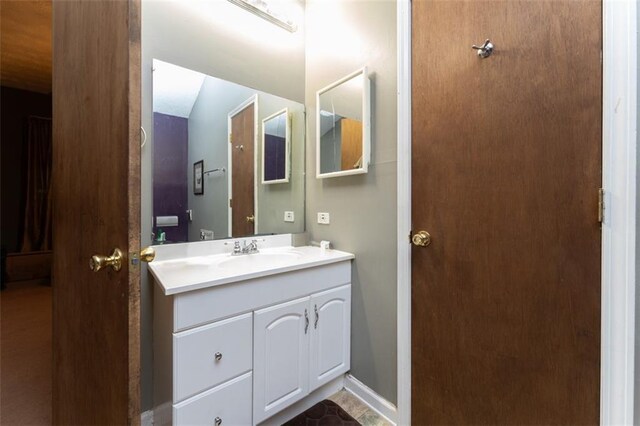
point(619, 127)
point(252, 100)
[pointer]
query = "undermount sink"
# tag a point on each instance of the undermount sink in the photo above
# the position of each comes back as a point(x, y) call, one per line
point(260, 260)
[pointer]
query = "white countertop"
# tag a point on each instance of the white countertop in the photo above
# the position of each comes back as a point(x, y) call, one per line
point(197, 272)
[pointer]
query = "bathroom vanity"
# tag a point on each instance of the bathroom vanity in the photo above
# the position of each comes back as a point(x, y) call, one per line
point(237, 339)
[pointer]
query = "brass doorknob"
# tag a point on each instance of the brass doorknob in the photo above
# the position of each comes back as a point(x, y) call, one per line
point(251, 219)
point(147, 254)
point(99, 262)
point(421, 239)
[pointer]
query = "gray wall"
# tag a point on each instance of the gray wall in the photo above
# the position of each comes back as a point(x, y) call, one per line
point(275, 199)
point(208, 129)
point(195, 36)
point(342, 37)
point(208, 141)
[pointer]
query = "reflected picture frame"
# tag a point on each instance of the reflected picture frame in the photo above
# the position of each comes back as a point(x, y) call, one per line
point(198, 177)
point(287, 148)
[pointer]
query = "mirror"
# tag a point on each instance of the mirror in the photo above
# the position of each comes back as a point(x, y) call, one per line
point(275, 148)
point(214, 143)
point(343, 141)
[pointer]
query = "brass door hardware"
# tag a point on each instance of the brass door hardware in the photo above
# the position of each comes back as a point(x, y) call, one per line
point(421, 239)
point(99, 262)
point(147, 254)
point(251, 219)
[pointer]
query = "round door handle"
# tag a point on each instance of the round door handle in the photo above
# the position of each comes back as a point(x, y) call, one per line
point(251, 219)
point(218, 356)
point(421, 239)
point(147, 254)
point(218, 421)
point(98, 262)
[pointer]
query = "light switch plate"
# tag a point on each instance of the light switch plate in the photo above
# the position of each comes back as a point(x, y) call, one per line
point(323, 218)
point(288, 217)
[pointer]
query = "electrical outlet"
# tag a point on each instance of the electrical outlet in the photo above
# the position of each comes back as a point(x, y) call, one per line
point(288, 217)
point(323, 218)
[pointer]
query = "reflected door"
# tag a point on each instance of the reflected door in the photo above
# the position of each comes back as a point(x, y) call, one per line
point(242, 141)
point(506, 164)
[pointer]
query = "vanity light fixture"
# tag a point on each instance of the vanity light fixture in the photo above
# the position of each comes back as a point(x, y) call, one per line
point(261, 9)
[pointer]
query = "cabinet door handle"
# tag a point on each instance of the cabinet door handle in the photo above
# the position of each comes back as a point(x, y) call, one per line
point(315, 324)
point(306, 321)
point(218, 421)
point(218, 356)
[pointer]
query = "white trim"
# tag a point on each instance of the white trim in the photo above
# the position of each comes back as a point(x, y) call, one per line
point(146, 418)
point(366, 125)
point(404, 212)
point(371, 399)
point(620, 47)
point(252, 100)
point(619, 127)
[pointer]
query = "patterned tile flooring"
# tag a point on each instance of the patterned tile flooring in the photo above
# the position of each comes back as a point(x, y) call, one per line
point(358, 410)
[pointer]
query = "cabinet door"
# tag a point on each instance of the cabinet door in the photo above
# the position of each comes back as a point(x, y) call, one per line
point(330, 347)
point(280, 357)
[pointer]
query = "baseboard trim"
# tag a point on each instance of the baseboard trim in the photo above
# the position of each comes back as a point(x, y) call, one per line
point(146, 418)
point(372, 399)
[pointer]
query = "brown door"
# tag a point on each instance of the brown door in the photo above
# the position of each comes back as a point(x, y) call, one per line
point(96, 175)
point(242, 161)
point(351, 144)
point(506, 160)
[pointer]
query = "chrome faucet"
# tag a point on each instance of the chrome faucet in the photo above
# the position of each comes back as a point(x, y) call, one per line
point(250, 248)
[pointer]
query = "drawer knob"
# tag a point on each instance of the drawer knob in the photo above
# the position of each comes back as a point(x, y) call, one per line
point(218, 356)
point(218, 421)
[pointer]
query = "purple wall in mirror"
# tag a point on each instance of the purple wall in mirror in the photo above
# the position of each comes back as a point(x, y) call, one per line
point(170, 142)
point(274, 157)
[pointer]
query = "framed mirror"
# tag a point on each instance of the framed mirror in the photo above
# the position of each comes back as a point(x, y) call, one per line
point(276, 140)
point(343, 126)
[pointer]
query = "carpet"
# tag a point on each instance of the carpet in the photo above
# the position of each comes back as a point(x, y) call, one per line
point(325, 413)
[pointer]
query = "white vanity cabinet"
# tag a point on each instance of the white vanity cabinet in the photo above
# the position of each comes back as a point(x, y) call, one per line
point(298, 347)
point(240, 352)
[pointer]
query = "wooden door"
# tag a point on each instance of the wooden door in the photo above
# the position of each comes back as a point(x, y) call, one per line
point(96, 187)
point(242, 160)
point(280, 357)
point(351, 144)
point(506, 164)
point(330, 344)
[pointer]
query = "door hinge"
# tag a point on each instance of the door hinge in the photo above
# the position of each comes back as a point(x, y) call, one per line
point(230, 135)
point(230, 202)
point(601, 206)
point(410, 236)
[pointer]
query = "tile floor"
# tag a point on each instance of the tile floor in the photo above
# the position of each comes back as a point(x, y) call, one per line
point(358, 410)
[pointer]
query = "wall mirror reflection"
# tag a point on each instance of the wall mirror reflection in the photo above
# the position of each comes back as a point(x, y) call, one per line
point(209, 127)
point(275, 148)
point(343, 126)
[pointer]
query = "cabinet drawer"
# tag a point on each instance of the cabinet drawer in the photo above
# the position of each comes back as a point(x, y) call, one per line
point(209, 355)
point(229, 402)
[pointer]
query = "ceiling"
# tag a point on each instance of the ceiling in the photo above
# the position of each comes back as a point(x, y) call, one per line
point(175, 89)
point(25, 45)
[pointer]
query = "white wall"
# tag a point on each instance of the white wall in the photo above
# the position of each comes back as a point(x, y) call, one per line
point(343, 36)
point(216, 38)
